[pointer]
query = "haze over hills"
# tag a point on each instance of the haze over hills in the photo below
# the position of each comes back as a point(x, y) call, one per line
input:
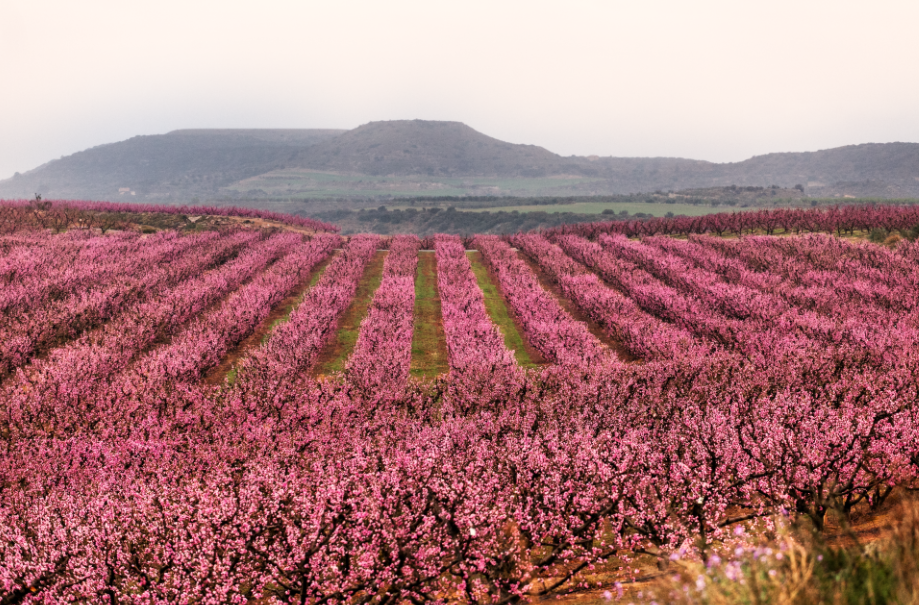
point(430, 158)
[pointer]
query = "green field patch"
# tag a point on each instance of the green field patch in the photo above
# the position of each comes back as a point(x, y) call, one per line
point(309, 184)
point(429, 342)
point(335, 354)
point(654, 209)
point(500, 314)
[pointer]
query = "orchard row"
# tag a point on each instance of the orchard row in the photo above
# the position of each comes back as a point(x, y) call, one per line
point(727, 380)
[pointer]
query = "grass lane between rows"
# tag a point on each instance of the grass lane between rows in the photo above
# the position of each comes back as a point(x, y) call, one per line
point(336, 354)
point(500, 314)
point(429, 343)
point(230, 367)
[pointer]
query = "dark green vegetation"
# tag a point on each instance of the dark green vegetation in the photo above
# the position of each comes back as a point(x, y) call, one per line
point(312, 184)
point(687, 201)
point(336, 354)
point(434, 220)
point(382, 160)
point(499, 313)
point(429, 343)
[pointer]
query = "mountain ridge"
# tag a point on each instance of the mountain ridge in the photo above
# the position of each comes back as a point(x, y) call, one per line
point(207, 163)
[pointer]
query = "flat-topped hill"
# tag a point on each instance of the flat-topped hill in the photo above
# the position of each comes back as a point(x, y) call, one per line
point(421, 147)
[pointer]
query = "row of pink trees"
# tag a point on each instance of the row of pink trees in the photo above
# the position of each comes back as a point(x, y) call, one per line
point(833, 307)
point(63, 266)
point(643, 335)
point(73, 374)
point(294, 345)
point(732, 315)
point(822, 272)
point(474, 343)
point(484, 487)
point(204, 342)
point(839, 220)
point(382, 357)
point(549, 328)
point(43, 326)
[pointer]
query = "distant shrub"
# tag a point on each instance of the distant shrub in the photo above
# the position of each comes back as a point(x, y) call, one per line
point(802, 569)
point(877, 235)
point(893, 239)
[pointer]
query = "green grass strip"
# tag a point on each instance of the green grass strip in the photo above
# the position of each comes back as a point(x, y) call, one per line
point(349, 327)
point(498, 311)
point(429, 343)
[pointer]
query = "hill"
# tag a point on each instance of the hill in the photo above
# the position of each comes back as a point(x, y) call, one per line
point(181, 164)
point(420, 147)
point(417, 157)
point(873, 169)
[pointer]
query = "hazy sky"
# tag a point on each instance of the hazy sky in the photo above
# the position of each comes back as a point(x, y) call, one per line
point(716, 80)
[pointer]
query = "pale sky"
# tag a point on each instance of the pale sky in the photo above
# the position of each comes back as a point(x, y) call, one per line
point(705, 79)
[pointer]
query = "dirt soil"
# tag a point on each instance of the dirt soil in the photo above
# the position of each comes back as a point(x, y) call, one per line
point(261, 223)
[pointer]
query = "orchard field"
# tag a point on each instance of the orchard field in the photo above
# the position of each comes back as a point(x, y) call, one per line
point(283, 415)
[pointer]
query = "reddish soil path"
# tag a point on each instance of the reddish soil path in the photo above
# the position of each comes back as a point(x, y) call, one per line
point(549, 285)
point(283, 309)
